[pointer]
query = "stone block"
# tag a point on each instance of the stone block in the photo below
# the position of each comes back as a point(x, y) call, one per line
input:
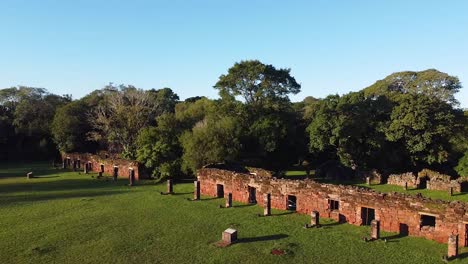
point(229, 200)
point(267, 204)
point(375, 229)
point(229, 236)
point(452, 246)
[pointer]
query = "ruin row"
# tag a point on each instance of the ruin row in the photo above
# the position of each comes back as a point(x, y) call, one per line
point(395, 212)
point(103, 164)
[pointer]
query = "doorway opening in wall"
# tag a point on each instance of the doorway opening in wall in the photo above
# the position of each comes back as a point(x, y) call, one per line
point(116, 171)
point(423, 183)
point(367, 215)
point(404, 230)
point(291, 203)
point(252, 195)
point(219, 190)
point(102, 167)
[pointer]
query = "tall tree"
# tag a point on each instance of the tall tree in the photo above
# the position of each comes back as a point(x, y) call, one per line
point(257, 83)
point(431, 83)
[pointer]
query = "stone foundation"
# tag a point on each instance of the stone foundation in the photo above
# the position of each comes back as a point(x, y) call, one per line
point(395, 212)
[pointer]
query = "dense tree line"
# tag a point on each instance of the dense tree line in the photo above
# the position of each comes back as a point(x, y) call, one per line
point(407, 121)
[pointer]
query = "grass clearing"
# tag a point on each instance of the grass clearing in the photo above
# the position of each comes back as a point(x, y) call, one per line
point(69, 217)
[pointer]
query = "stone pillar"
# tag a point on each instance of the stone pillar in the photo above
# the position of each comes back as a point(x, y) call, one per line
point(229, 236)
point(314, 218)
point(267, 204)
point(196, 192)
point(115, 174)
point(406, 186)
point(229, 200)
point(375, 229)
point(450, 191)
point(131, 177)
point(452, 246)
point(170, 186)
point(368, 180)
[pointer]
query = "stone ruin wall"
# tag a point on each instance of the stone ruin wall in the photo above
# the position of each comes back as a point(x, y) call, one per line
point(396, 212)
point(434, 181)
point(401, 179)
point(438, 181)
point(109, 163)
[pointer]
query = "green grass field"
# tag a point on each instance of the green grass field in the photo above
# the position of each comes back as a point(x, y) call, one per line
point(68, 217)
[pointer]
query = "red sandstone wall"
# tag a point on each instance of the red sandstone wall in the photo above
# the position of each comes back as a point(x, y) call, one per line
point(392, 209)
point(109, 163)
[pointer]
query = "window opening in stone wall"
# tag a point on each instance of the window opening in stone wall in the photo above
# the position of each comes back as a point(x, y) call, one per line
point(367, 215)
point(334, 204)
point(291, 203)
point(219, 190)
point(428, 220)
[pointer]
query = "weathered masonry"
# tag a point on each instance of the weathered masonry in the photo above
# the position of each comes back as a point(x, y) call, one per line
point(106, 164)
point(408, 215)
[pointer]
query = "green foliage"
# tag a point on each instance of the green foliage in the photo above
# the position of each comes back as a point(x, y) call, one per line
point(159, 148)
point(212, 140)
point(431, 83)
point(350, 126)
point(123, 111)
point(25, 120)
point(70, 127)
point(424, 126)
point(462, 167)
point(257, 83)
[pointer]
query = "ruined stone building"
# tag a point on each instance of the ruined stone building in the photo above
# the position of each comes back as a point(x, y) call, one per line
point(105, 163)
point(405, 214)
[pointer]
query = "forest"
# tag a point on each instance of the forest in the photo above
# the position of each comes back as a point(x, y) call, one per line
point(404, 122)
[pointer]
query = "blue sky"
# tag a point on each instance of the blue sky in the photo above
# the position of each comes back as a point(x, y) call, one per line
point(75, 47)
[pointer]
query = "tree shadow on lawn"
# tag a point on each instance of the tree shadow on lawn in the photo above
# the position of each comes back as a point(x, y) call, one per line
point(37, 171)
point(281, 214)
point(45, 197)
point(261, 238)
point(60, 185)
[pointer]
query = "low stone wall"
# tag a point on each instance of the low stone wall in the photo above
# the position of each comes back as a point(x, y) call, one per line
point(374, 176)
point(108, 162)
point(402, 179)
point(396, 212)
point(438, 181)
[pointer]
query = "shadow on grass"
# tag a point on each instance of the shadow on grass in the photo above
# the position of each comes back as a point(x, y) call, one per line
point(52, 196)
point(285, 213)
point(243, 205)
point(60, 185)
point(209, 199)
point(329, 225)
point(262, 238)
point(394, 237)
point(182, 193)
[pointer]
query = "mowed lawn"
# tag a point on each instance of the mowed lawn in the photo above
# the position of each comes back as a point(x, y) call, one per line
point(69, 217)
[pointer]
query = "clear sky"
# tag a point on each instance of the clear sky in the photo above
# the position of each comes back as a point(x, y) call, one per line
point(77, 46)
